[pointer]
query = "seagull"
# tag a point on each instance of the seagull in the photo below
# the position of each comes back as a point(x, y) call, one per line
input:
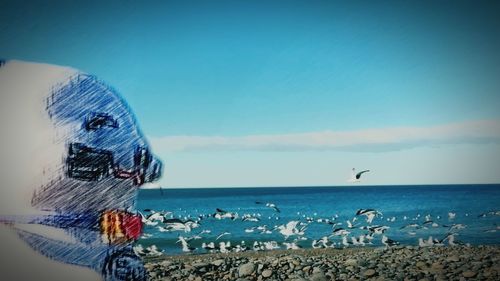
point(451, 215)
point(147, 220)
point(321, 243)
point(369, 238)
point(250, 229)
point(356, 177)
point(146, 235)
point(153, 217)
point(257, 246)
point(425, 223)
point(221, 214)
point(185, 246)
point(346, 242)
point(430, 242)
point(411, 225)
point(151, 251)
point(210, 247)
point(392, 219)
point(271, 245)
point(225, 247)
point(174, 227)
point(198, 235)
point(241, 247)
point(389, 242)
point(292, 245)
point(327, 221)
point(291, 229)
point(457, 226)
point(369, 213)
point(378, 229)
point(350, 224)
point(222, 234)
point(359, 241)
point(248, 217)
point(490, 213)
point(451, 240)
point(178, 225)
point(270, 205)
point(427, 243)
point(263, 229)
point(340, 232)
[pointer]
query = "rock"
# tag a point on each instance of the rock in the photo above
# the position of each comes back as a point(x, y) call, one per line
point(166, 263)
point(266, 273)
point(306, 268)
point(437, 266)
point(298, 279)
point(453, 258)
point(318, 277)
point(421, 264)
point(218, 262)
point(199, 264)
point(369, 273)
point(351, 262)
point(469, 274)
point(317, 270)
point(246, 269)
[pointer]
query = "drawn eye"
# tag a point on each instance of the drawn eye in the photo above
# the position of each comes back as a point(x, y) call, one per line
point(100, 120)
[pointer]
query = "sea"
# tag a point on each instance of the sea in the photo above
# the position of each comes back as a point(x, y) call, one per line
point(470, 212)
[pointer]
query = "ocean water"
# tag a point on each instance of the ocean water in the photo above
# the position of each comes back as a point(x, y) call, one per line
point(473, 206)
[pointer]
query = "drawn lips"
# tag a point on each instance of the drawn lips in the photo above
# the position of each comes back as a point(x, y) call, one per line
point(120, 226)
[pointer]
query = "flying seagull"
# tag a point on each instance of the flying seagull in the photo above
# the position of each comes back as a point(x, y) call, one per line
point(356, 177)
point(369, 213)
point(270, 205)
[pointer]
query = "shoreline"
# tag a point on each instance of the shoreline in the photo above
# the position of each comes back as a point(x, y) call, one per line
point(377, 263)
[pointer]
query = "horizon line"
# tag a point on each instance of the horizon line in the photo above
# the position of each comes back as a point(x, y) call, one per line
point(320, 186)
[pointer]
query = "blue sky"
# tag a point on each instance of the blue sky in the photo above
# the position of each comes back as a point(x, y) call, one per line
point(231, 72)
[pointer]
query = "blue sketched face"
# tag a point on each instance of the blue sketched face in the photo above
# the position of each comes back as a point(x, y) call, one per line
point(83, 157)
point(106, 158)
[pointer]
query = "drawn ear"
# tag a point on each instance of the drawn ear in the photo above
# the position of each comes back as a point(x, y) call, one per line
point(95, 121)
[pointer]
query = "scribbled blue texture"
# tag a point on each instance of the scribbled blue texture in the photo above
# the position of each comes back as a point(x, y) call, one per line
point(91, 193)
point(115, 263)
point(77, 254)
point(105, 149)
point(466, 201)
point(84, 96)
point(107, 158)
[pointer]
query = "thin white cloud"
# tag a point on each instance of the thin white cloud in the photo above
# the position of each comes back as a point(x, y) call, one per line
point(369, 140)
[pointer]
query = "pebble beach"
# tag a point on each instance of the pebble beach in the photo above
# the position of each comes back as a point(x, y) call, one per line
point(394, 263)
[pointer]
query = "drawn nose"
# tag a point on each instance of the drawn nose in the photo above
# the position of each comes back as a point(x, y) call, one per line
point(154, 170)
point(149, 168)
